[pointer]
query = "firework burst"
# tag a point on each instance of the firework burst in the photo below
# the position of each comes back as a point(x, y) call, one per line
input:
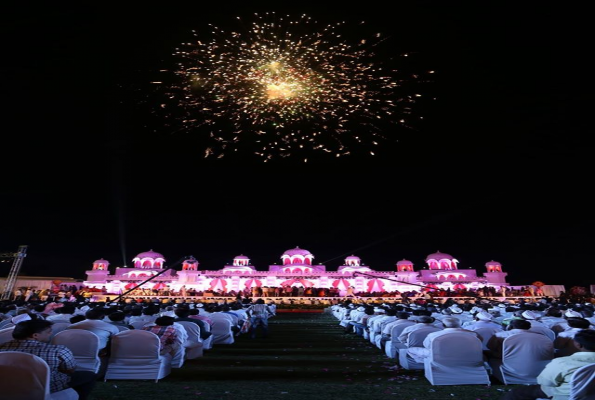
point(281, 87)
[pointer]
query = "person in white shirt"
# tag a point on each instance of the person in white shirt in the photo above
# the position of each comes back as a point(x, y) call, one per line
point(402, 319)
point(587, 314)
point(350, 314)
point(93, 323)
point(537, 326)
point(259, 314)
point(140, 317)
point(362, 323)
point(554, 381)
point(515, 327)
point(380, 323)
point(62, 314)
point(423, 322)
point(483, 322)
point(273, 308)
point(552, 316)
point(354, 318)
point(563, 325)
point(564, 344)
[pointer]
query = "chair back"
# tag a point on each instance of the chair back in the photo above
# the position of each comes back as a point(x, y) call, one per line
point(486, 334)
point(222, 333)
point(194, 344)
point(582, 383)
point(139, 324)
point(122, 328)
point(456, 358)
point(207, 326)
point(550, 334)
point(135, 355)
point(192, 329)
point(417, 337)
point(524, 356)
point(396, 330)
point(456, 349)
point(58, 327)
point(6, 334)
point(84, 346)
point(135, 344)
point(7, 323)
point(28, 378)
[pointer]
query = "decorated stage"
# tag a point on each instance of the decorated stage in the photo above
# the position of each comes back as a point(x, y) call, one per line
point(310, 302)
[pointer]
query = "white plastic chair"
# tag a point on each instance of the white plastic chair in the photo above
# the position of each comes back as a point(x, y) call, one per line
point(396, 331)
point(58, 327)
point(582, 383)
point(135, 355)
point(27, 377)
point(415, 339)
point(222, 333)
point(524, 356)
point(194, 344)
point(7, 323)
point(84, 346)
point(456, 359)
point(139, 324)
point(390, 347)
point(6, 335)
point(122, 328)
point(486, 334)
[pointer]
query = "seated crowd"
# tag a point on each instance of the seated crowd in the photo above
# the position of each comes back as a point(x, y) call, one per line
point(185, 331)
point(81, 293)
point(548, 341)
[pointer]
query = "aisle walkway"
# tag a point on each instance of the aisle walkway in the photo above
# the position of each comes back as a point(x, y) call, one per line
point(307, 356)
point(300, 346)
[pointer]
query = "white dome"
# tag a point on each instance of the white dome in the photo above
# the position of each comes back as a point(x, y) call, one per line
point(150, 254)
point(297, 252)
point(439, 256)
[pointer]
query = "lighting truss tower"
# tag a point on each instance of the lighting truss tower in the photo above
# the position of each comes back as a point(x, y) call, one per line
point(14, 271)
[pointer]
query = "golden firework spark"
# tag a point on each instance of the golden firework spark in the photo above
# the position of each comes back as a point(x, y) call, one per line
point(281, 87)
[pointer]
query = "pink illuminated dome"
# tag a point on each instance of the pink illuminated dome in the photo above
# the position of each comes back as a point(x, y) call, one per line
point(190, 264)
point(150, 254)
point(297, 256)
point(404, 265)
point(148, 259)
point(494, 266)
point(297, 251)
point(241, 260)
point(100, 264)
point(353, 264)
point(353, 261)
point(440, 260)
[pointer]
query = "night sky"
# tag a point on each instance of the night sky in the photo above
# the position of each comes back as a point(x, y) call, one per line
point(498, 169)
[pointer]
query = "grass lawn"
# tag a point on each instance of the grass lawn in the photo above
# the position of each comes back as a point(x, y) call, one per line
point(306, 356)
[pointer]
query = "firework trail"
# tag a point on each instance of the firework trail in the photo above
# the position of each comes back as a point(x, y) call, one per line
point(281, 87)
